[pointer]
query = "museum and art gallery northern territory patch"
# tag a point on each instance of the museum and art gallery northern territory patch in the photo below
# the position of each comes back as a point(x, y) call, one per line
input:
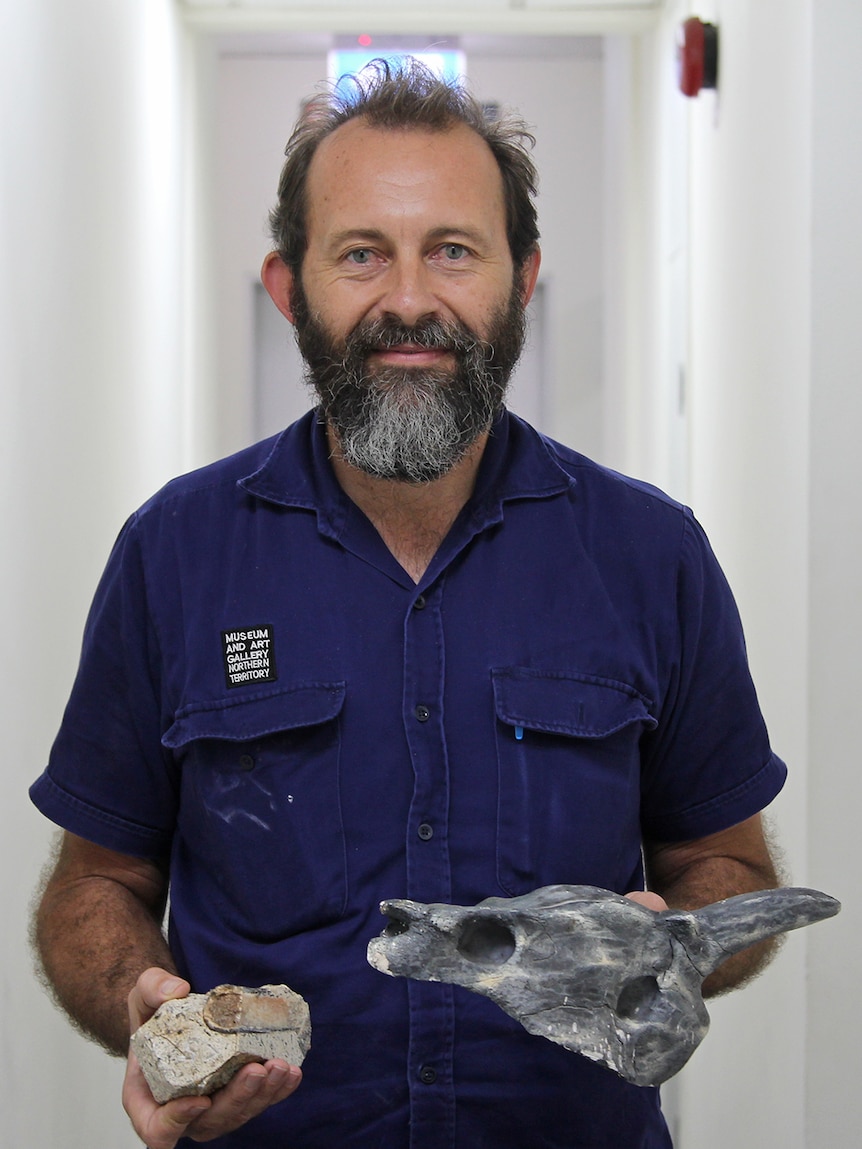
point(249, 655)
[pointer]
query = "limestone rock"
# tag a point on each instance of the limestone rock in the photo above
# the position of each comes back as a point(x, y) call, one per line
point(194, 1045)
point(589, 969)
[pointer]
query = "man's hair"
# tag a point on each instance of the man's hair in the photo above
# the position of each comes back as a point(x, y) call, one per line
point(405, 95)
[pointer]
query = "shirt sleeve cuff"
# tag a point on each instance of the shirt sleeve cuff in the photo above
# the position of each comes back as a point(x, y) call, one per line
point(104, 829)
point(719, 813)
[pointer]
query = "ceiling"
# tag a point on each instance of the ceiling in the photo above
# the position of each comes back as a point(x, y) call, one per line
point(532, 17)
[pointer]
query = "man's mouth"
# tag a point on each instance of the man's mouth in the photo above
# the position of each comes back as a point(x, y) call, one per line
point(412, 355)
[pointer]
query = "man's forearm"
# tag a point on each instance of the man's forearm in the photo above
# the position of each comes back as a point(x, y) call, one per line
point(95, 930)
point(719, 880)
point(689, 875)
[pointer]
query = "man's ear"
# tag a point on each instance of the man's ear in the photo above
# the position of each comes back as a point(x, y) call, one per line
point(278, 280)
point(529, 274)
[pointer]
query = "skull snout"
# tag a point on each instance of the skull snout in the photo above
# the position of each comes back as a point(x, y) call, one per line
point(398, 923)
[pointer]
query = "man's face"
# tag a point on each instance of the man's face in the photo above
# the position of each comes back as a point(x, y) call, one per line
point(408, 313)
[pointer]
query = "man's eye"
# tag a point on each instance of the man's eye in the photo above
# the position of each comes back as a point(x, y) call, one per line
point(454, 250)
point(362, 255)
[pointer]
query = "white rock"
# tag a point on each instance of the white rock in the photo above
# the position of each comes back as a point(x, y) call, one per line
point(195, 1044)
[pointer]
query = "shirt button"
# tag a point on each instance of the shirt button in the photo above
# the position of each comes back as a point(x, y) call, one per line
point(425, 831)
point(422, 713)
point(246, 762)
point(420, 602)
point(427, 1074)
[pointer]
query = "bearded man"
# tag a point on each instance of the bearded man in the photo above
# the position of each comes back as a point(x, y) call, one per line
point(409, 648)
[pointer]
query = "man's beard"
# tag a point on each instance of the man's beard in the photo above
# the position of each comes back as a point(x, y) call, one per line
point(412, 424)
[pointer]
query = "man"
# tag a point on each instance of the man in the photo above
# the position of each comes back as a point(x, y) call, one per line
point(408, 649)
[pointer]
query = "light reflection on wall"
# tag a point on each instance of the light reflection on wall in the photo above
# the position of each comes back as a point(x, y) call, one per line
point(449, 64)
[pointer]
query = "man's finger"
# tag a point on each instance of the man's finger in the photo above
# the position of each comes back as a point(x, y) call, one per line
point(154, 987)
point(158, 1126)
point(168, 1123)
point(648, 899)
point(249, 1093)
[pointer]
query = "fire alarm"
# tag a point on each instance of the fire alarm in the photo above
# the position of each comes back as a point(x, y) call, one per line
point(697, 56)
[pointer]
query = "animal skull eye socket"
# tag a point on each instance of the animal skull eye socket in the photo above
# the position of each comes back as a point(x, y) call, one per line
point(639, 999)
point(482, 940)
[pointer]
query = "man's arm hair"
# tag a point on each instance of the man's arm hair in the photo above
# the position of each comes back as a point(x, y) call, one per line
point(96, 926)
point(692, 874)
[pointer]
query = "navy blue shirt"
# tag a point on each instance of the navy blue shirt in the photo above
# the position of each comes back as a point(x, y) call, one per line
point(266, 698)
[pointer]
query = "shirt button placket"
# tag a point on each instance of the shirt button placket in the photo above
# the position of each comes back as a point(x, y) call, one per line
point(428, 875)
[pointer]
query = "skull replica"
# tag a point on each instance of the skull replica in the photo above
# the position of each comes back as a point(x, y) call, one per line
point(589, 969)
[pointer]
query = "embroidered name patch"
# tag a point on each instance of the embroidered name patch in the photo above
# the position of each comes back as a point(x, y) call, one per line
point(249, 655)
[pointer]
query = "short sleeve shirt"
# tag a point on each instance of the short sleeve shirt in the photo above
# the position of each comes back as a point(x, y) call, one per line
point(267, 699)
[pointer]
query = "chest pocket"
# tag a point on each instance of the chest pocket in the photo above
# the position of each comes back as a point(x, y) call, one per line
point(260, 825)
point(569, 778)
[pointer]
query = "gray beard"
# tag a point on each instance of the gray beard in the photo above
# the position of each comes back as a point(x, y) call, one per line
point(410, 424)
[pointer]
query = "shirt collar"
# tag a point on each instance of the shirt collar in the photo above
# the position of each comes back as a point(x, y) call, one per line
point(517, 463)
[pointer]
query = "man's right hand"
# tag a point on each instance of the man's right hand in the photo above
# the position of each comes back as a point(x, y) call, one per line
point(254, 1088)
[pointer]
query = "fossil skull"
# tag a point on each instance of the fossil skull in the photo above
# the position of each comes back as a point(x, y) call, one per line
point(590, 969)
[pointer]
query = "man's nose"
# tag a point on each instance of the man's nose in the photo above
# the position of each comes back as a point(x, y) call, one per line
point(408, 292)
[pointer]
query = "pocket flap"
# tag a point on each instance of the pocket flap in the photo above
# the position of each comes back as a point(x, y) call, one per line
point(239, 719)
point(557, 702)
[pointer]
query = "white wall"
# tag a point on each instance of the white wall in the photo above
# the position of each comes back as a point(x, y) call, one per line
point(773, 357)
point(749, 471)
point(834, 793)
point(91, 393)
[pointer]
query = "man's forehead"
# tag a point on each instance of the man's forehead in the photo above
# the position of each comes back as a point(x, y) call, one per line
point(351, 142)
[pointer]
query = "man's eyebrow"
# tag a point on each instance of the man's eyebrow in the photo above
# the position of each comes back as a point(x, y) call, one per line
point(375, 235)
point(354, 234)
point(461, 231)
